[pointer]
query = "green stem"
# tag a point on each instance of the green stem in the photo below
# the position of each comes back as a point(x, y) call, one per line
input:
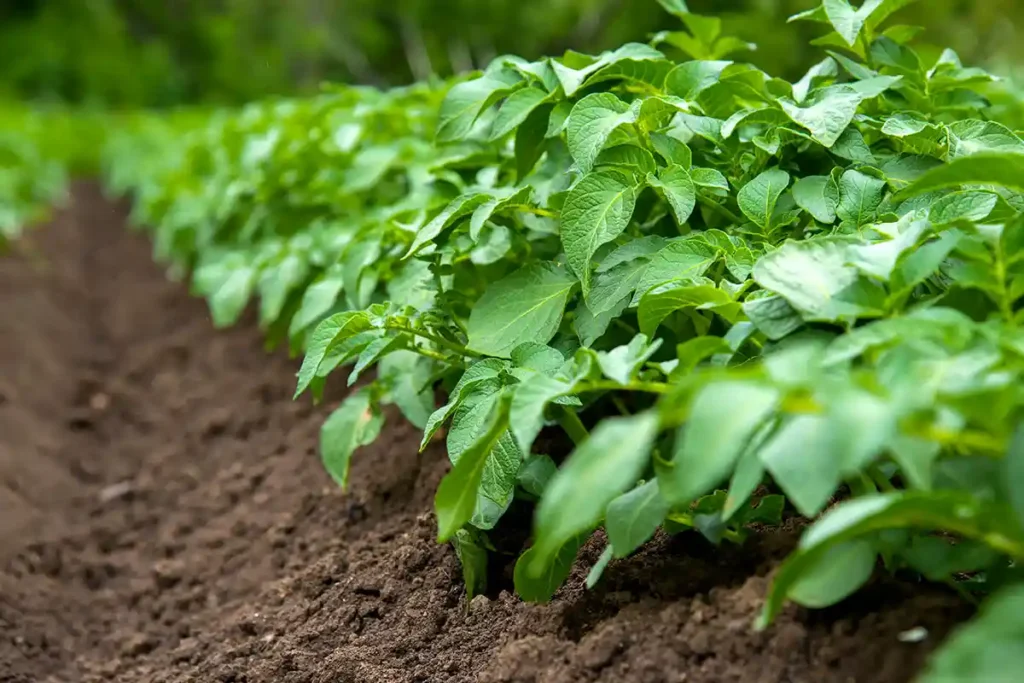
point(537, 211)
point(572, 425)
point(610, 385)
point(434, 355)
point(882, 481)
point(443, 343)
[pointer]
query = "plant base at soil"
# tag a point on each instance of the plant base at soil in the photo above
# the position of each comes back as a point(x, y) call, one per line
point(164, 517)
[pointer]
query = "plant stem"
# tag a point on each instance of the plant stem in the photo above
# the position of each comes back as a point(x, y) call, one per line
point(572, 425)
point(611, 385)
point(443, 343)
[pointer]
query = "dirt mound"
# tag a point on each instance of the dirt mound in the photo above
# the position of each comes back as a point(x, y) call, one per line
point(164, 517)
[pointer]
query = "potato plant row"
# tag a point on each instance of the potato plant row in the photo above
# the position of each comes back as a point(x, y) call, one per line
point(741, 298)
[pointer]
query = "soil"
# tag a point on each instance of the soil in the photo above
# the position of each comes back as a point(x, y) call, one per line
point(164, 517)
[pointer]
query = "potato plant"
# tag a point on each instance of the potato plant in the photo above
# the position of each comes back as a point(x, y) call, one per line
point(737, 295)
point(30, 180)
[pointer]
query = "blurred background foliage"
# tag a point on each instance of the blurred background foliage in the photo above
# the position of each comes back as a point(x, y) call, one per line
point(125, 53)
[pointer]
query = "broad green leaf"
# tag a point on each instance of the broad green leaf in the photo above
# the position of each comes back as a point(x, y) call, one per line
point(277, 283)
point(1005, 169)
point(848, 22)
point(956, 512)
point(597, 210)
point(694, 351)
point(681, 259)
point(497, 483)
point(526, 306)
point(970, 206)
point(818, 195)
point(456, 497)
point(773, 315)
point(658, 303)
point(859, 197)
point(600, 469)
point(904, 124)
point(472, 556)
point(691, 78)
point(973, 137)
point(803, 459)
point(465, 101)
point(826, 112)
point(985, 649)
point(632, 518)
point(757, 199)
point(461, 206)
point(537, 577)
point(500, 199)
point(486, 371)
point(531, 397)
point(373, 352)
point(815, 278)
point(317, 301)
point(591, 123)
point(535, 474)
point(369, 166)
point(839, 571)
point(723, 417)
point(674, 183)
point(406, 375)
point(515, 109)
point(327, 336)
point(357, 422)
point(623, 362)
point(529, 141)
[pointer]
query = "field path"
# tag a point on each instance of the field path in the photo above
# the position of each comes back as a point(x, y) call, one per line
point(164, 517)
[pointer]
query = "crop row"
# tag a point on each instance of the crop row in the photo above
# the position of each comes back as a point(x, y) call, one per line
point(742, 298)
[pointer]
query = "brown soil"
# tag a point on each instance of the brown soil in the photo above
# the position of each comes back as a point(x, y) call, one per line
point(164, 517)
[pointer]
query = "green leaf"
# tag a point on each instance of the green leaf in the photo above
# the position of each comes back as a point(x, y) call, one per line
point(486, 371)
point(971, 205)
point(472, 554)
point(597, 210)
point(802, 459)
point(690, 79)
point(815, 278)
point(723, 417)
point(623, 362)
point(531, 397)
point(461, 206)
point(317, 301)
point(515, 109)
point(406, 375)
point(529, 141)
point(860, 195)
point(818, 195)
point(987, 648)
point(757, 199)
point(357, 422)
point(973, 137)
point(956, 512)
point(674, 183)
point(526, 306)
point(826, 113)
point(904, 124)
point(632, 518)
point(456, 497)
point(839, 571)
point(658, 303)
point(1005, 169)
point(328, 336)
point(536, 577)
point(535, 474)
point(681, 259)
point(600, 469)
point(591, 123)
point(465, 101)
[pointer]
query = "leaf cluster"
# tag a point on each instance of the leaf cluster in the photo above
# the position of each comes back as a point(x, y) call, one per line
point(717, 282)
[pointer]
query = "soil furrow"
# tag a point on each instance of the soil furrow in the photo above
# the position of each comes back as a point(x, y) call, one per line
point(164, 518)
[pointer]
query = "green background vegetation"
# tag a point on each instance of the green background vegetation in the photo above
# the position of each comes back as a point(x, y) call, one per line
point(166, 52)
